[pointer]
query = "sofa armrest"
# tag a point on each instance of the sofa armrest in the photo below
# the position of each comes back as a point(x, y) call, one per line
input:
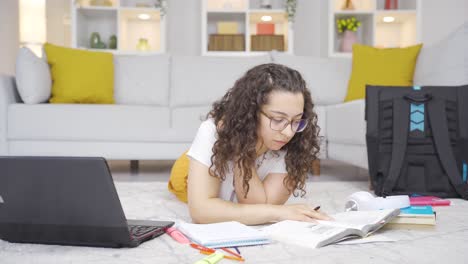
point(8, 95)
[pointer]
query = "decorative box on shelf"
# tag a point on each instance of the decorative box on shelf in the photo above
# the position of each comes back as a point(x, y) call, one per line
point(265, 29)
point(226, 42)
point(267, 42)
point(261, 25)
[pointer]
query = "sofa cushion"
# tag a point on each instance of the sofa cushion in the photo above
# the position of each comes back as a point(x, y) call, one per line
point(112, 123)
point(445, 62)
point(142, 80)
point(346, 123)
point(200, 80)
point(33, 78)
point(80, 76)
point(374, 66)
point(327, 79)
point(187, 120)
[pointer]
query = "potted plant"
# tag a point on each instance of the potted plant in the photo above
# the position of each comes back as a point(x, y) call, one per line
point(348, 26)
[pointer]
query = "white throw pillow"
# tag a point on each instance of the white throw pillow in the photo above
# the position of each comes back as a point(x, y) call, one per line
point(33, 78)
point(445, 62)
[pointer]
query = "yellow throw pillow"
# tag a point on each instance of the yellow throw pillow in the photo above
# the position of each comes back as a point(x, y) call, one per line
point(80, 76)
point(178, 180)
point(373, 66)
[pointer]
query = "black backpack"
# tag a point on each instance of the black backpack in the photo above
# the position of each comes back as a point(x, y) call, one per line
point(417, 140)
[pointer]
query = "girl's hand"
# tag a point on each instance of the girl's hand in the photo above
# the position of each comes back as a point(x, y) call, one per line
point(301, 212)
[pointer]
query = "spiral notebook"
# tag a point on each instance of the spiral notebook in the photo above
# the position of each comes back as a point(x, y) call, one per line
point(224, 234)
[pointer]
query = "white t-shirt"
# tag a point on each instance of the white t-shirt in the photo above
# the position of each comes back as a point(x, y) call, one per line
point(201, 150)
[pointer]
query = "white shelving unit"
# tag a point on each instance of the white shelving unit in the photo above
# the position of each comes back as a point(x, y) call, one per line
point(121, 19)
point(402, 32)
point(246, 14)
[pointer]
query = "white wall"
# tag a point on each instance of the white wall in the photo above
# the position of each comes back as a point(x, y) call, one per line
point(439, 17)
point(184, 27)
point(58, 22)
point(9, 35)
point(307, 39)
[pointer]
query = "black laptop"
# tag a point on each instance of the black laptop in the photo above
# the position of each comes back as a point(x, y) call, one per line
point(66, 201)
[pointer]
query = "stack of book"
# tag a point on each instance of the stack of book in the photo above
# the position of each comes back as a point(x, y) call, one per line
point(416, 215)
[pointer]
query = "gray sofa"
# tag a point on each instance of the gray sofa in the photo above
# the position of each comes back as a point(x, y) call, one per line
point(161, 99)
point(160, 102)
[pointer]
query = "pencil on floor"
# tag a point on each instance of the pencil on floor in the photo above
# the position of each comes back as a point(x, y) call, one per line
point(231, 252)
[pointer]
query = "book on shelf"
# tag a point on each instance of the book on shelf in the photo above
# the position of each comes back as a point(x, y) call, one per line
point(224, 234)
point(346, 225)
point(416, 215)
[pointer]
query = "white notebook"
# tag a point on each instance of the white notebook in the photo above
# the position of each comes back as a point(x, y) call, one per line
point(224, 234)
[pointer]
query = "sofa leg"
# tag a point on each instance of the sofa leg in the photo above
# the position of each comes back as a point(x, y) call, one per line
point(316, 167)
point(134, 167)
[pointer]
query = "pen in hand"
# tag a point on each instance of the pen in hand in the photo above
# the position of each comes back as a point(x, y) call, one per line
point(318, 208)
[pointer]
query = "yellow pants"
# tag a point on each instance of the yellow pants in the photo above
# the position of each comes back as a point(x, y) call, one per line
point(178, 180)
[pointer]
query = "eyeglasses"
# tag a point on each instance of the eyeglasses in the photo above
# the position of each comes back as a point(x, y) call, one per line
point(279, 124)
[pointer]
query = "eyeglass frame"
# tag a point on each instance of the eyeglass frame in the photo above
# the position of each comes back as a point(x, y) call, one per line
point(289, 122)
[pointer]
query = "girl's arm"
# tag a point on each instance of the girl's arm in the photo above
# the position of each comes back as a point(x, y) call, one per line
point(206, 207)
point(270, 191)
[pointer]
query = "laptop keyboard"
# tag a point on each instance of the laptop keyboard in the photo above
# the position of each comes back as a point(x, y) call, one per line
point(138, 231)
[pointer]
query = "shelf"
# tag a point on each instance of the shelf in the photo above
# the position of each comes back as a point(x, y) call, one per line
point(353, 13)
point(95, 20)
point(123, 20)
point(138, 3)
point(226, 5)
point(359, 6)
point(275, 4)
point(244, 18)
point(402, 5)
point(226, 12)
point(269, 11)
point(234, 53)
point(123, 52)
point(402, 32)
point(97, 12)
point(364, 32)
point(278, 29)
point(87, 4)
point(132, 29)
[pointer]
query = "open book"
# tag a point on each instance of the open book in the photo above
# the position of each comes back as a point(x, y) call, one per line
point(347, 225)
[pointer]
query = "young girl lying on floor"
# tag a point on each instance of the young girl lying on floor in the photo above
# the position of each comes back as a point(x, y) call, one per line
point(253, 151)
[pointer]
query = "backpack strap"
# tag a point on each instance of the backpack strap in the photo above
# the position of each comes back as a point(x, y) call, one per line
point(400, 137)
point(438, 119)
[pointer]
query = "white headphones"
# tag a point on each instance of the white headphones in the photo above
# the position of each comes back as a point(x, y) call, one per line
point(365, 201)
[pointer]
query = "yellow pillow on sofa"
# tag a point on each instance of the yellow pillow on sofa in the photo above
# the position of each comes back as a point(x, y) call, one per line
point(80, 76)
point(391, 66)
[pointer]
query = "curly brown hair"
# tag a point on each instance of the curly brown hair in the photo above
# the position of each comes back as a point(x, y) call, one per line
point(236, 116)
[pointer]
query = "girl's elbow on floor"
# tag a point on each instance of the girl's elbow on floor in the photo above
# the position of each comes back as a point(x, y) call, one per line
point(198, 214)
